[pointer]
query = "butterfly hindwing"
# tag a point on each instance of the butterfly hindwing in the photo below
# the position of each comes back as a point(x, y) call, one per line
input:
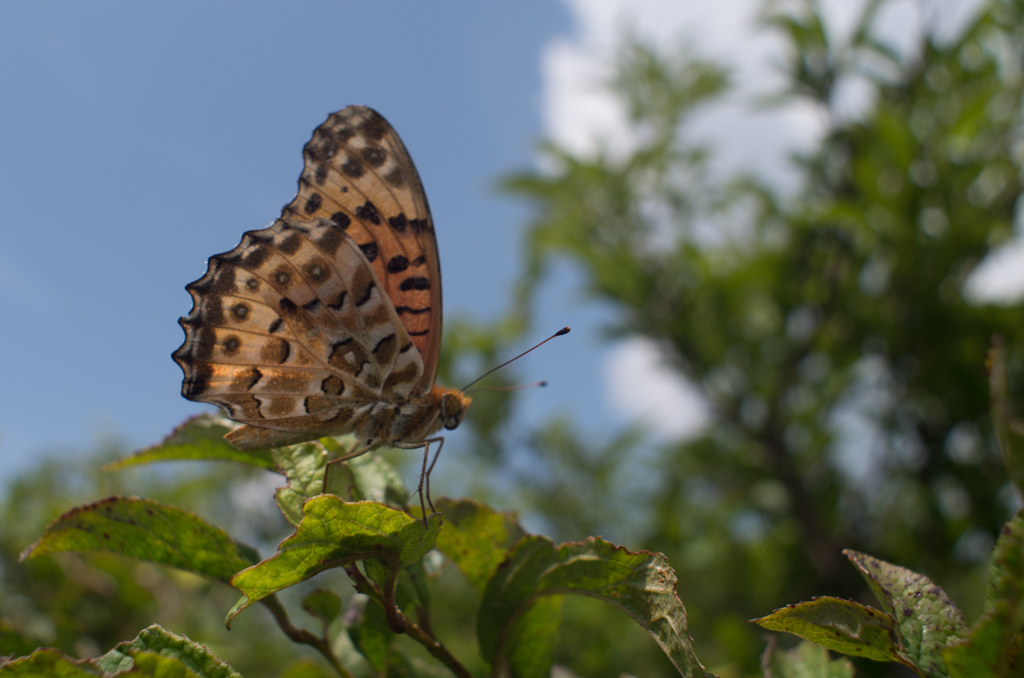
point(290, 331)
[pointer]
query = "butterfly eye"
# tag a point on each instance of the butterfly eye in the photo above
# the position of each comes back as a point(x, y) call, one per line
point(450, 407)
point(451, 423)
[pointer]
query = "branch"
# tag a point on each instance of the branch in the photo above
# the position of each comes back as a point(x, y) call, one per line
point(435, 647)
point(303, 636)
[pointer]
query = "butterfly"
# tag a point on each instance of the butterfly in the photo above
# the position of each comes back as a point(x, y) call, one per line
point(328, 322)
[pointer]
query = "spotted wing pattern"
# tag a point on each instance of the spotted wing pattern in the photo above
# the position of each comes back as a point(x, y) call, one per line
point(359, 175)
point(290, 331)
point(308, 325)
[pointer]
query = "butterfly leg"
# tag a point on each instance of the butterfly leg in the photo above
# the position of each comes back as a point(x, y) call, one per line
point(359, 451)
point(428, 471)
point(425, 471)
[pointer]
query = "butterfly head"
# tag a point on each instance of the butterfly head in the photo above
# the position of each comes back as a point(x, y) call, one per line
point(454, 404)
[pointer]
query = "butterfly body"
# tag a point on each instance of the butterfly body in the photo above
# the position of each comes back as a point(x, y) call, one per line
point(328, 321)
point(402, 424)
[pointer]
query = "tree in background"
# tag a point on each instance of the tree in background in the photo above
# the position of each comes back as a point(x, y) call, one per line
point(796, 316)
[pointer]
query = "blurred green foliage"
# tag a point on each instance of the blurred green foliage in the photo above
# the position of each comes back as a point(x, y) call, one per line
point(795, 315)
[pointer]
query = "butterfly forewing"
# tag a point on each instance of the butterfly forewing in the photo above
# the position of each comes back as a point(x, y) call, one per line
point(359, 176)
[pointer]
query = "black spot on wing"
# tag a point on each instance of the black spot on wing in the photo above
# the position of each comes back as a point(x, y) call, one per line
point(341, 219)
point(398, 224)
point(313, 203)
point(231, 345)
point(353, 168)
point(291, 244)
point(287, 306)
point(374, 126)
point(374, 156)
point(317, 271)
point(368, 212)
point(369, 250)
point(402, 310)
point(414, 283)
point(240, 311)
point(197, 380)
point(397, 264)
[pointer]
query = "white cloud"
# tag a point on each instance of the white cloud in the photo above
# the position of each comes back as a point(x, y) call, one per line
point(640, 385)
point(579, 114)
point(999, 278)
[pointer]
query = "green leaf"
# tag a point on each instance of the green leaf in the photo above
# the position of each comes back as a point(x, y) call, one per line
point(640, 584)
point(49, 663)
point(155, 652)
point(366, 478)
point(158, 666)
point(303, 465)
point(1005, 597)
point(412, 586)
point(371, 634)
point(841, 625)
point(145, 529)
point(994, 645)
point(476, 537)
point(322, 604)
point(926, 618)
point(532, 641)
point(156, 641)
point(334, 533)
point(200, 437)
point(806, 660)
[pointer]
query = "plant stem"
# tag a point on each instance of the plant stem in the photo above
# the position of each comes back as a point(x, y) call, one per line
point(303, 636)
point(435, 648)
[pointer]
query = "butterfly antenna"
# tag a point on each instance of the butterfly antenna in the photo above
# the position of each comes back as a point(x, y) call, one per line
point(559, 333)
point(506, 388)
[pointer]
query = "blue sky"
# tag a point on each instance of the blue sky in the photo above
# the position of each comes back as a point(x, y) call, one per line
point(137, 139)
